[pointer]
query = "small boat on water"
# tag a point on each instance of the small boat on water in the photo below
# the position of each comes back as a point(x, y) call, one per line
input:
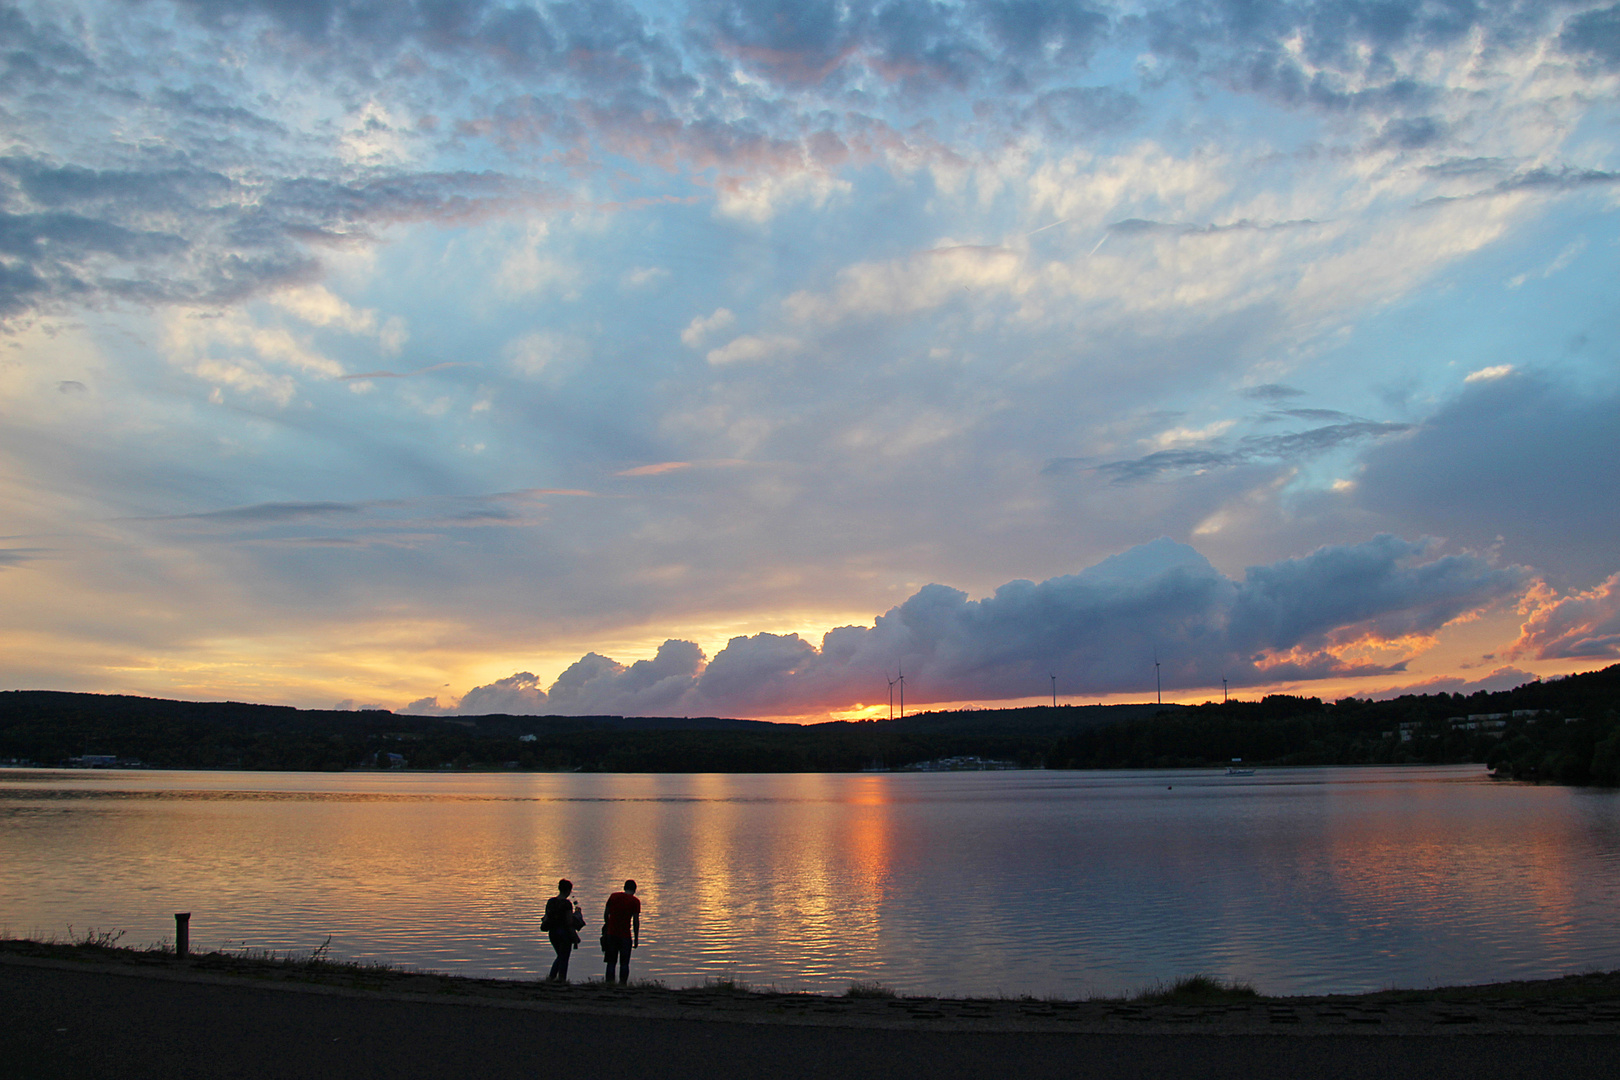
point(1237, 769)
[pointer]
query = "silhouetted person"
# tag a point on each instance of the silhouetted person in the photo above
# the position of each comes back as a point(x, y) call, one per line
point(562, 924)
point(621, 930)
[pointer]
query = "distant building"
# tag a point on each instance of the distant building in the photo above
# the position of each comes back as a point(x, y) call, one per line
point(1489, 723)
point(966, 763)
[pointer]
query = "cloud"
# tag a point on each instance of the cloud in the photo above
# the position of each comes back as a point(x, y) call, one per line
point(1562, 260)
point(751, 348)
point(1596, 34)
point(1272, 392)
point(702, 326)
point(272, 512)
point(1582, 625)
point(1076, 112)
point(1553, 181)
point(1503, 678)
point(17, 556)
point(1378, 587)
point(86, 236)
point(655, 469)
point(595, 684)
point(1100, 630)
point(518, 694)
point(1520, 461)
point(1140, 226)
point(1291, 447)
point(407, 374)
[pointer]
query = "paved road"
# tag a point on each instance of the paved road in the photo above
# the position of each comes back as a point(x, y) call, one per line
point(69, 1024)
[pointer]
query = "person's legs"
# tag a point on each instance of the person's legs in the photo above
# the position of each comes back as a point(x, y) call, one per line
point(609, 954)
point(559, 966)
point(624, 960)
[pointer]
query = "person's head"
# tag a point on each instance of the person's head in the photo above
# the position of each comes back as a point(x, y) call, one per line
point(630, 886)
point(564, 887)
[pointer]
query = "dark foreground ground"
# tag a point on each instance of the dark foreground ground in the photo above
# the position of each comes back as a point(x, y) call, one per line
point(66, 1013)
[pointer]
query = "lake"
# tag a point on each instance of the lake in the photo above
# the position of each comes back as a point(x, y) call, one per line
point(1042, 883)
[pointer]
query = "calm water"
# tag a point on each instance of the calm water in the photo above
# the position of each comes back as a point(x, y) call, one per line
point(1068, 883)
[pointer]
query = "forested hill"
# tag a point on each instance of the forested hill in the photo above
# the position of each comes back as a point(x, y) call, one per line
point(1563, 730)
point(52, 728)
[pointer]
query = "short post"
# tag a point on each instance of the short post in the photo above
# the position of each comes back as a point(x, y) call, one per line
point(182, 933)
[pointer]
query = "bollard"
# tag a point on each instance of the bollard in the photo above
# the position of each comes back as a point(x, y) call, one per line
point(182, 933)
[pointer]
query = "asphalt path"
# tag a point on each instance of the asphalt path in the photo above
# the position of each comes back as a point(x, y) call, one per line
point(70, 1024)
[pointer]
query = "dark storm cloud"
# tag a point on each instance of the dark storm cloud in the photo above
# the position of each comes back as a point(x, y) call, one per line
point(1099, 630)
point(1294, 446)
point(1522, 458)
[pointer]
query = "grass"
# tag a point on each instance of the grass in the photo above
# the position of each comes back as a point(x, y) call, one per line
point(317, 966)
point(1198, 990)
point(869, 990)
point(95, 939)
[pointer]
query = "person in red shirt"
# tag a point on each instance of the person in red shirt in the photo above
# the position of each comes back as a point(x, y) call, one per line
point(621, 930)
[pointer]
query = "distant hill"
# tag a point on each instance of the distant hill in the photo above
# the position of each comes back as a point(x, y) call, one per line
point(1565, 730)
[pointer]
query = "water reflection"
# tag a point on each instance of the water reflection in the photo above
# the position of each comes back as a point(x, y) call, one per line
point(1044, 883)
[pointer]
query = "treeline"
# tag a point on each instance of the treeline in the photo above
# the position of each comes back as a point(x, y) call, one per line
point(49, 728)
point(1563, 730)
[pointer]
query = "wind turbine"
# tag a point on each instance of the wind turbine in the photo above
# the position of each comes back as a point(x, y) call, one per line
point(1054, 691)
point(891, 697)
point(1223, 689)
point(1158, 687)
point(902, 681)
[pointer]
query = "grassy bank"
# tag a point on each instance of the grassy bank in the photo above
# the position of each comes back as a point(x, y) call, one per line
point(317, 968)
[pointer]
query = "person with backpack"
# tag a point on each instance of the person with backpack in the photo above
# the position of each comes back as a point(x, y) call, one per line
point(621, 930)
point(562, 923)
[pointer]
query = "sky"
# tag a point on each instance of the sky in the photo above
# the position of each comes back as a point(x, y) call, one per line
point(728, 358)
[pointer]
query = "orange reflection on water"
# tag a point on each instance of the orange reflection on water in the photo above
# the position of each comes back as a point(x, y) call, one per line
point(1389, 859)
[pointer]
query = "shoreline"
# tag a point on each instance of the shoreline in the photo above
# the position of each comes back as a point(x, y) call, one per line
point(1587, 1003)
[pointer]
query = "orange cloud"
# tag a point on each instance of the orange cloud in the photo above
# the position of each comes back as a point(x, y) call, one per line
point(1582, 624)
point(655, 470)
